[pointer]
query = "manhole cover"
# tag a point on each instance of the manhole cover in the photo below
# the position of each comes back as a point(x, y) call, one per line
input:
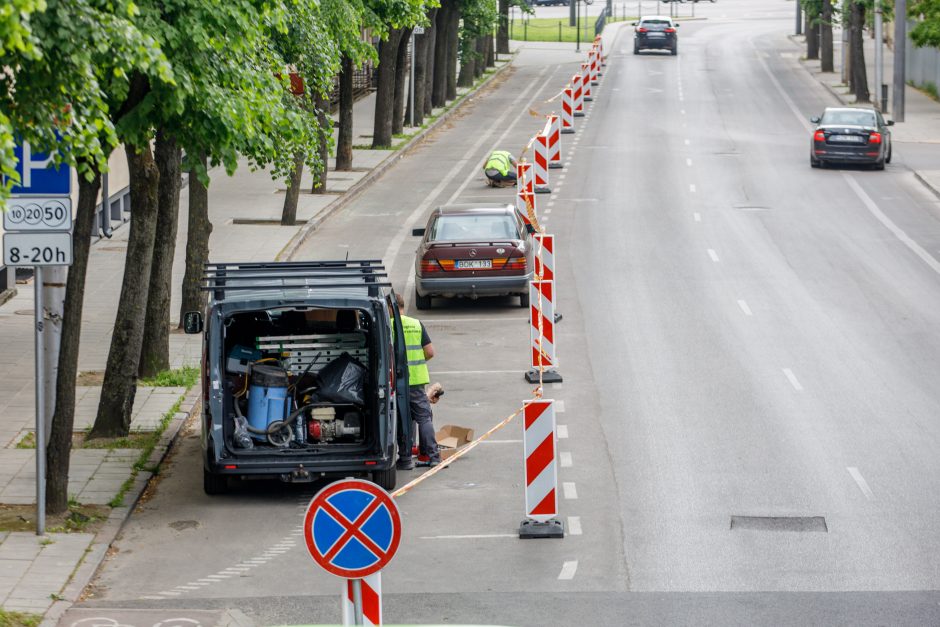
point(180, 525)
point(780, 523)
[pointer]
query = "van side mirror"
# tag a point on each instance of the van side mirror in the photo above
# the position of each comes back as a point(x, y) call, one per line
point(418, 232)
point(192, 322)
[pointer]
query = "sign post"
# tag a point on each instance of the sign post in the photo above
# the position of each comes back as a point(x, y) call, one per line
point(352, 529)
point(38, 233)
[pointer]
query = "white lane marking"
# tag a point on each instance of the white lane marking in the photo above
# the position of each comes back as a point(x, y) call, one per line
point(153, 598)
point(562, 431)
point(557, 386)
point(489, 320)
point(570, 490)
point(545, 219)
point(743, 305)
point(447, 372)
point(548, 212)
point(862, 484)
point(688, 162)
point(793, 380)
point(395, 245)
point(501, 442)
point(559, 407)
point(697, 216)
point(688, 143)
point(476, 536)
point(682, 111)
point(568, 570)
point(713, 255)
point(171, 593)
point(187, 587)
point(551, 203)
point(692, 188)
point(218, 577)
point(561, 177)
point(574, 525)
point(564, 458)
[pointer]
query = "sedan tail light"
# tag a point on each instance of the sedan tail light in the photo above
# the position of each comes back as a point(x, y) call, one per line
point(429, 266)
point(874, 138)
point(515, 263)
point(670, 30)
point(819, 136)
point(641, 30)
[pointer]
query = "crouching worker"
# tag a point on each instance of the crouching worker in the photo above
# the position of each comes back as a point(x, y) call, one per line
point(420, 350)
point(500, 169)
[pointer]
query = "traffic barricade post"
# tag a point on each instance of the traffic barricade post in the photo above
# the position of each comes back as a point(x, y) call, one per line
point(543, 366)
point(567, 111)
point(541, 160)
point(554, 142)
point(586, 82)
point(541, 472)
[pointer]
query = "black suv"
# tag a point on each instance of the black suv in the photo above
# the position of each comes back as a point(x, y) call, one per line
point(656, 32)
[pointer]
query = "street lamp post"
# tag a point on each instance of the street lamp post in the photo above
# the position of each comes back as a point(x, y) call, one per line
point(879, 56)
point(900, 49)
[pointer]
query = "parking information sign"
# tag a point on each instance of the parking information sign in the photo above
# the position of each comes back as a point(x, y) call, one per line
point(352, 528)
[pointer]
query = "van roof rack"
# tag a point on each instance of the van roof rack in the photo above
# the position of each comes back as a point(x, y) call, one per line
point(291, 275)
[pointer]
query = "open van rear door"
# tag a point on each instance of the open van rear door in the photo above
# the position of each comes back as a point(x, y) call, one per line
point(401, 373)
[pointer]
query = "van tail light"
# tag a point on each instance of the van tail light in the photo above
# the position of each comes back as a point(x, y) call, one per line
point(819, 136)
point(874, 138)
point(670, 30)
point(429, 266)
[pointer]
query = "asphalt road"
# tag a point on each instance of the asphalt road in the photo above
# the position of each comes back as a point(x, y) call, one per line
point(742, 337)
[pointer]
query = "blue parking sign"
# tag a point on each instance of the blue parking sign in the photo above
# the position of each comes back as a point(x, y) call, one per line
point(39, 175)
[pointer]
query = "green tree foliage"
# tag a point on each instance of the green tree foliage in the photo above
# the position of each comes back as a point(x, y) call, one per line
point(927, 30)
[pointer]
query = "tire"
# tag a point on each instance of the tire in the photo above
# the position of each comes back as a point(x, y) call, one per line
point(888, 158)
point(675, 50)
point(422, 302)
point(636, 49)
point(524, 301)
point(879, 165)
point(385, 479)
point(214, 484)
point(814, 163)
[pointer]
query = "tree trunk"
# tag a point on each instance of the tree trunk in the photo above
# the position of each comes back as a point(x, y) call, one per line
point(825, 38)
point(120, 377)
point(322, 105)
point(197, 245)
point(453, 46)
point(421, 75)
point(857, 51)
point(467, 65)
point(59, 444)
point(430, 48)
point(344, 141)
point(490, 47)
point(502, 33)
point(439, 89)
point(289, 212)
point(385, 93)
point(155, 354)
point(812, 36)
point(480, 64)
point(402, 70)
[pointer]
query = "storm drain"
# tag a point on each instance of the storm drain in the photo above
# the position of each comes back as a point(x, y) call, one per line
point(780, 523)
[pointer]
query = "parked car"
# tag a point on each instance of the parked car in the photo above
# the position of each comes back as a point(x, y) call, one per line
point(302, 366)
point(545, 3)
point(851, 135)
point(469, 251)
point(657, 32)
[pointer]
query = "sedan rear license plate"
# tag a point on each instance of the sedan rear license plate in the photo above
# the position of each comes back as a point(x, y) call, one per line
point(474, 264)
point(656, 35)
point(846, 139)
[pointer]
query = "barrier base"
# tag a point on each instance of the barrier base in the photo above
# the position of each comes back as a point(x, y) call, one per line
point(530, 529)
point(595, 82)
point(555, 165)
point(543, 190)
point(588, 99)
point(578, 114)
point(565, 131)
point(549, 376)
point(558, 317)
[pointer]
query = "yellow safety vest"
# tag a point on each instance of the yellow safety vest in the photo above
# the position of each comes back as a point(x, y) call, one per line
point(500, 161)
point(417, 365)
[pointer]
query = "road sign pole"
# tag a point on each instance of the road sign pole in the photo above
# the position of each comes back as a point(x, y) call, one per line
point(40, 409)
point(357, 601)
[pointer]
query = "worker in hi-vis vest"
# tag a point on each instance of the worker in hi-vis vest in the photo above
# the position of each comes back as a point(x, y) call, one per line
point(500, 169)
point(420, 350)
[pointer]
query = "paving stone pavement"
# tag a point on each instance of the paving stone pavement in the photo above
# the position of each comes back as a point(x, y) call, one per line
point(95, 475)
point(34, 568)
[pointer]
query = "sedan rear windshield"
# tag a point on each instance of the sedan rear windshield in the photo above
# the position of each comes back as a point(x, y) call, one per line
point(851, 118)
point(474, 227)
point(655, 24)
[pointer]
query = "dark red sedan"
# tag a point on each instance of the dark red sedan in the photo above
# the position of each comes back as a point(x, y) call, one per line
point(473, 250)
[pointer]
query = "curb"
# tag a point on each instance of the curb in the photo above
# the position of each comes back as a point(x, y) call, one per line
point(86, 570)
point(927, 184)
point(300, 238)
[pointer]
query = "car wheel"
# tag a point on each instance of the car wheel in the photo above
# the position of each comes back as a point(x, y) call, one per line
point(879, 165)
point(385, 479)
point(813, 163)
point(890, 151)
point(422, 302)
point(636, 49)
point(524, 300)
point(214, 484)
point(675, 49)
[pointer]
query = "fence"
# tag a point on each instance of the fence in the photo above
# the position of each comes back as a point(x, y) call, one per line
point(923, 65)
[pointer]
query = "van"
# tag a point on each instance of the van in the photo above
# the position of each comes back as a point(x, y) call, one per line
point(303, 365)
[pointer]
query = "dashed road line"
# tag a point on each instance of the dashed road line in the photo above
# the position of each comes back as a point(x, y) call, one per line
point(562, 431)
point(568, 570)
point(862, 484)
point(688, 162)
point(713, 255)
point(697, 217)
point(564, 458)
point(793, 380)
point(559, 407)
point(744, 307)
point(574, 525)
point(692, 188)
point(570, 490)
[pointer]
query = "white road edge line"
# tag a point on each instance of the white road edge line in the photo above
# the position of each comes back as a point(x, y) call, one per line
point(793, 380)
point(862, 484)
point(568, 570)
point(574, 526)
point(743, 305)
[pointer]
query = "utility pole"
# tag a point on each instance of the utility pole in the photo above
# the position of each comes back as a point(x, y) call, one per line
point(900, 49)
point(845, 42)
point(799, 18)
point(879, 55)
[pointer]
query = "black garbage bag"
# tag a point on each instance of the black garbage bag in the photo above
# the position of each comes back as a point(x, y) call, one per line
point(343, 381)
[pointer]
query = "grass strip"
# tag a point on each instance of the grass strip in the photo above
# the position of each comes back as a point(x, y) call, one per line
point(18, 619)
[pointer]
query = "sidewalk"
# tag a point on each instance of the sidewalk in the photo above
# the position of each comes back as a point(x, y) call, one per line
point(42, 573)
point(917, 137)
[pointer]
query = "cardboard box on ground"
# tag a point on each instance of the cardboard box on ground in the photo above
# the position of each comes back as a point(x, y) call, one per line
point(451, 438)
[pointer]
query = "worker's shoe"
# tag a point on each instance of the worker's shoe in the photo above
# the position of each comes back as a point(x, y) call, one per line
point(428, 462)
point(405, 463)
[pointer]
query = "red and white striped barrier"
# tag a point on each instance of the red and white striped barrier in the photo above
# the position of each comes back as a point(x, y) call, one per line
point(525, 195)
point(545, 259)
point(594, 60)
point(541, 472)
point(577, 94)
point(600, 49)
point(523, 176)
point(586, 82)
point(567, 110)
point(554, 142)
point(371, 601)
point(542, 333)
point(541, 159)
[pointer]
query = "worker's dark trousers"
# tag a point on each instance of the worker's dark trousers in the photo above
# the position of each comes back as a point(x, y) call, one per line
point(421, 414)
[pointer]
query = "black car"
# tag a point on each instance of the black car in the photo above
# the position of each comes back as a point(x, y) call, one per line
point(656, 32)
point(851, 135)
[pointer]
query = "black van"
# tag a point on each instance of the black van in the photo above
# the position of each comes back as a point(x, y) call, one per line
point(301, 371)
